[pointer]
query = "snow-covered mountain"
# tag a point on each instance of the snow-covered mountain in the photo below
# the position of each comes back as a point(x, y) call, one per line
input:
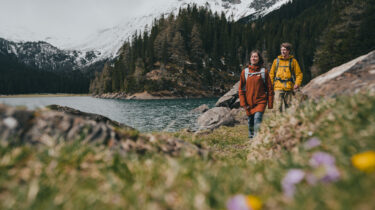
point(105, 43)
point(108, 41)
point(44, 56)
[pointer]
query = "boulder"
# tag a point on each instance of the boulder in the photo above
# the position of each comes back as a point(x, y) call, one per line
point(201, 109)
point(230, 99)
point(215, 118)
point(239, 116)
point(47, 127)
point(349, 78)
point(96, 117)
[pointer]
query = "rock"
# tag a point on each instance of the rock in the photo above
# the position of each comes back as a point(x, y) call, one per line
point(226, 112)
point(215, 117)
point(47, 127)
point(230, 98)
point(201, 109)
point(239, 116)
point(118, 95)
point(98, 118)
point(349, 78)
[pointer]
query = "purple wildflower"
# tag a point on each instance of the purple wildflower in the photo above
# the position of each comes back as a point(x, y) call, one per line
point(332, 174)
point(322, 158)
point(238, 202)
point(312, 143)
point(325, 168)
point(293, 177)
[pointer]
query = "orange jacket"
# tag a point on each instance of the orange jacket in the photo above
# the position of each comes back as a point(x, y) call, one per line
point(253, 92)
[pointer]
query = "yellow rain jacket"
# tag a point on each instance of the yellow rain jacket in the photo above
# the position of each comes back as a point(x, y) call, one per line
point(284, 73)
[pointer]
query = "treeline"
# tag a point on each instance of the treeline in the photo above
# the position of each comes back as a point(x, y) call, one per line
point(195, 39)
point(18, 78)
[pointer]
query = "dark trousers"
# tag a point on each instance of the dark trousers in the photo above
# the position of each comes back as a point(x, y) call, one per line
point(254, 122)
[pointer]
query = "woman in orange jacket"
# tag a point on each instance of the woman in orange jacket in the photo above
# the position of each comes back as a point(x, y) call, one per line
point(255, 91)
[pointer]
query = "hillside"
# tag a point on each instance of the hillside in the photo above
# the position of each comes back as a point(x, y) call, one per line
point(197, 42)
point(18, 78)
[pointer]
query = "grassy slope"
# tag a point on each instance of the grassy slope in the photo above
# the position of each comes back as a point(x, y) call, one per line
point(78, 176)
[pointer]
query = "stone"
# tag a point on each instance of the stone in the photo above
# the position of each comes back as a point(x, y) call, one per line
point(239, 116)
point(47, 127)
point(95, 117)
point(215, 118)
point(201, 109)
point(346, 79)
point(230, 98)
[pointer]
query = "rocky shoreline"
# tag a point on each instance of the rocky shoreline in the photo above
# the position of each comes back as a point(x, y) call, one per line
point(157, 95)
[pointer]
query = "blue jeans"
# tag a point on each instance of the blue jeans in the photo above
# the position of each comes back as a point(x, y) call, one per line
point(254, 123)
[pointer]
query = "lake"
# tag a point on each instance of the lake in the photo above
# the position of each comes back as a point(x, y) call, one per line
point(144, 115)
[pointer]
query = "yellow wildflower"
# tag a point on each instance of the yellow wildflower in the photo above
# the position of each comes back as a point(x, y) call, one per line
point(364, 161)
point(254, 202)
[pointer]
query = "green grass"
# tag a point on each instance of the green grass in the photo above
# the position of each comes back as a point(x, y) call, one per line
point(83, 176)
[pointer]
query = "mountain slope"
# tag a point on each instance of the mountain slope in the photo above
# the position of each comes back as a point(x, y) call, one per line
point(18, 78)
point(196, 41)
point(44, 56)
point(108, 41)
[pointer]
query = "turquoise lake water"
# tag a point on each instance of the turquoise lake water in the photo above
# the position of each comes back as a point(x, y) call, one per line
point(144, 115)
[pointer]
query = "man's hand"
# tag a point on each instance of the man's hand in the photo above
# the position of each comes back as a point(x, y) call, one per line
point(296, 87)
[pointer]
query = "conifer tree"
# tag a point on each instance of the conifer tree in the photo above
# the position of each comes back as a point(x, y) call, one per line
point(196, 45)
point(177, 50)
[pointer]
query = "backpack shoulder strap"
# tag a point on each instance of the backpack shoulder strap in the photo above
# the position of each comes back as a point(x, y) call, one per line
point(291, 69)
point(277, 67)
point(246, 73)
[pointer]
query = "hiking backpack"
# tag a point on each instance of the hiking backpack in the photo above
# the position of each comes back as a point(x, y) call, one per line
point(290, 69)
point(262, 73)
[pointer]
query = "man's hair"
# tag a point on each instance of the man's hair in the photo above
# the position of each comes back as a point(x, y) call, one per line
point(261, 61)
point(287, 45)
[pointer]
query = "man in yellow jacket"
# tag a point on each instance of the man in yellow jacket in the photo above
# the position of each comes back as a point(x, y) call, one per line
point(286, 76)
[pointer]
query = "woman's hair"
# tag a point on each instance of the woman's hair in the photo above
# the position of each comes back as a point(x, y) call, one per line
point(287, 45)
point(261, 61)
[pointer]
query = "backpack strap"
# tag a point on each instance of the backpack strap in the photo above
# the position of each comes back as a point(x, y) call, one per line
point(262, 74)
point(246, 75)
point(277, 67)
point(293, 79)
point(247, 72)
point(292, 71)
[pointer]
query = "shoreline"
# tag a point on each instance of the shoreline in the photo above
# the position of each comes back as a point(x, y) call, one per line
point(122, 96)
point(147, 96)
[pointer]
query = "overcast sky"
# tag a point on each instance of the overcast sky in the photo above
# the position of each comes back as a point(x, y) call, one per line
point(66, 18)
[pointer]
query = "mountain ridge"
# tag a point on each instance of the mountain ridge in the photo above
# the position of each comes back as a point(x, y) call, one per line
point(107, 41)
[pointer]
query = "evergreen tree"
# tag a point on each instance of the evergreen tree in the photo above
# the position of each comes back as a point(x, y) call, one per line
point(196, 45)
point(177, 50)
